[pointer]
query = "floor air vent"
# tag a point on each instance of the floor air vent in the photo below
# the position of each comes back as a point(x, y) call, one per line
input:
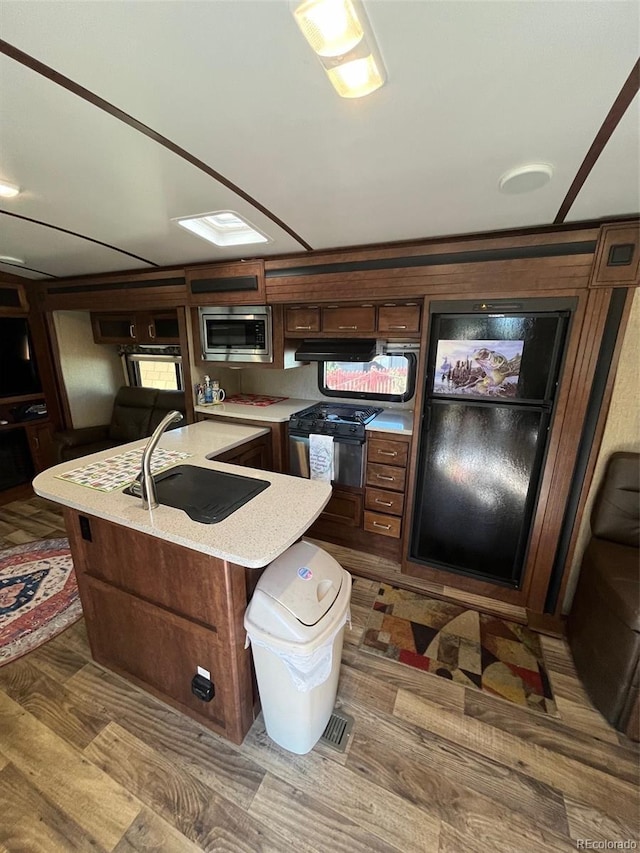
point(336, 734)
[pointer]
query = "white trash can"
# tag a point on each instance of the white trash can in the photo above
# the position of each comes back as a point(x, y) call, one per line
point(295, 623)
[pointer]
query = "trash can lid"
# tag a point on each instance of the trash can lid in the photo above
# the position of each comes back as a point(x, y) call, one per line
point(305, 580)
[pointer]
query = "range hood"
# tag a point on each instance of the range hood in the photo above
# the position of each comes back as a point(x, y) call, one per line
point(339, 349)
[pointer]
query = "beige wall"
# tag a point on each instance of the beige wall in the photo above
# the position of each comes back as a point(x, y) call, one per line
point(92, 372)
point(622, 430)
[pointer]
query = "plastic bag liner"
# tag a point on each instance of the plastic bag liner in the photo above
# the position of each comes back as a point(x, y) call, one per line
point(306, 671)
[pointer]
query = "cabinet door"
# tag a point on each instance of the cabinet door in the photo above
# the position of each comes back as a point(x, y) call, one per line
point(40, 439)
point(302, 319)
point(252, 454)
point(155, 646)
point(114, 328)
point(344, 508)
point(399, 318)
point(358, 318)
point(158, 327)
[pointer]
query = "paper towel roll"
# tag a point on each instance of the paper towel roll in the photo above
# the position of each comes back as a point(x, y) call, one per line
point(321, 457)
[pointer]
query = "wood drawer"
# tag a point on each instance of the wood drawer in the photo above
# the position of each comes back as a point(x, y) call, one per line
point(360, 318)
point(387, 452)
point(379, 500)
point(386, 477)
point(399, 318)
point(385, 525)
point(302, 319)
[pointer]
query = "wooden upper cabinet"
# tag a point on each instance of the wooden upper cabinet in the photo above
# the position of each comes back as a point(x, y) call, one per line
point(136, 327)
point(305, 319)
point(13, 299)
point(353, 318)
point(239, 283)
point(399, 318)
point(618, 257)
point(394, 319)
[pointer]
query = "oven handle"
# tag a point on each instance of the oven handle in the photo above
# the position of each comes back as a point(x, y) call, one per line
point(339, 439)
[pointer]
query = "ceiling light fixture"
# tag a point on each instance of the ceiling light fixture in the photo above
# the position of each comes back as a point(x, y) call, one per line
point(524, 179)
point(8, 190)
point(340, 34)
point(223, 228)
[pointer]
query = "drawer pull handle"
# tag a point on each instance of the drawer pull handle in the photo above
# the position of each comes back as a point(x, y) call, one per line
point(383, 503)
point(387, 453)
point(398, 327)
point(152, 333)
point(347, 327)
point(132, 331)
point(382, 477)
point(303, 327)
point(383, 526)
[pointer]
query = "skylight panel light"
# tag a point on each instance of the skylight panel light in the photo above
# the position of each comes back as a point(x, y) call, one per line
point(223, 228)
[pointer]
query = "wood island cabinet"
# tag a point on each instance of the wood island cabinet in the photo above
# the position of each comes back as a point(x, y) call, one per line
point(155, 611)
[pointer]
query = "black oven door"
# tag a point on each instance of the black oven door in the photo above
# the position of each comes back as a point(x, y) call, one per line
point(348, 459)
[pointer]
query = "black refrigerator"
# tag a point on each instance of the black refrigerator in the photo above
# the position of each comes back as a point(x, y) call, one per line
point(491, 382)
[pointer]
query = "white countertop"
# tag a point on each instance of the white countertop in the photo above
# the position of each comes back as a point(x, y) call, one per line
point(276, 412)
point(389, 420)
point(252, 536)
point(399, 421)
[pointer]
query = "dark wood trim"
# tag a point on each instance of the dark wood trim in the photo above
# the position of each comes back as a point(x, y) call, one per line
point(626, 95)
point(552, 250)
point(595, 449)
point(75, 234)
point(543, 623)
point(75, 88)
point(183, 323)
point(63, 397)
point(564, 444)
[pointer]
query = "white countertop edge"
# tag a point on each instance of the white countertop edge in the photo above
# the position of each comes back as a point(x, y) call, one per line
point(252, 536)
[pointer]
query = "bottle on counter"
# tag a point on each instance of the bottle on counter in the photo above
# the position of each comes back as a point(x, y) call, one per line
point(199, 389)
point(208, 391)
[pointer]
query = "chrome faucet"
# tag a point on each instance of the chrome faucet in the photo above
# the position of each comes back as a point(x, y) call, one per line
point(147, 483)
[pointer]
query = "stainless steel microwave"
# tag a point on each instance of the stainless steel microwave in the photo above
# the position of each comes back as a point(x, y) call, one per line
point(236, 333)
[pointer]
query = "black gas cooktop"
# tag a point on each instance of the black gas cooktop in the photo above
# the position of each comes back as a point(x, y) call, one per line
point(337, 419)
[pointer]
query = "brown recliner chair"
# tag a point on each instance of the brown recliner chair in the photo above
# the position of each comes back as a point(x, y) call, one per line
point(136, 413)
point(603, 627)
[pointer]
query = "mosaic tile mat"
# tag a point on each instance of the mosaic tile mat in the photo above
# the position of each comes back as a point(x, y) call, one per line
point(107, 475)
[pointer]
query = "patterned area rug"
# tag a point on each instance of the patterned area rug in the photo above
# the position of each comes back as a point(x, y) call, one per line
point(470, 648)
point(38, 596)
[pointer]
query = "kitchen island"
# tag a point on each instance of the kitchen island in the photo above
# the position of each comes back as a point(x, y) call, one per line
point(164, 596)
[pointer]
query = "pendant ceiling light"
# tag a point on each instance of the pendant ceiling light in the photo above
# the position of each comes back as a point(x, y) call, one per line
point(339, 33)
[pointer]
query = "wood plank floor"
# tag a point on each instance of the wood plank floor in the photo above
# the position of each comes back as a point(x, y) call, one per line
point(90, 762)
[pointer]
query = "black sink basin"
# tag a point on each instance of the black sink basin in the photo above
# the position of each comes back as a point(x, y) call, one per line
point(206, 496)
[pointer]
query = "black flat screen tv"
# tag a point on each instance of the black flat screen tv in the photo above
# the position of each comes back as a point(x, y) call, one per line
point(18, 369)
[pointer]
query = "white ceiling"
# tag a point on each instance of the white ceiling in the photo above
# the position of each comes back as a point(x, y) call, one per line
point(474, 89)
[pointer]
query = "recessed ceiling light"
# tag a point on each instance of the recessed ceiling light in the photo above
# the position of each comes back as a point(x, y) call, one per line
point(223, 228)
point(7, 259)
point(524, 179)
point(8, 190)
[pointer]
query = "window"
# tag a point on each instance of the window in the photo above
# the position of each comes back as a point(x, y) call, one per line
point(387, 377)
point(155, 371)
